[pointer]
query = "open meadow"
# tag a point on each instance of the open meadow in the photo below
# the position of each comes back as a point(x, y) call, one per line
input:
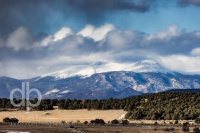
point(44, 122)
point(62, 115)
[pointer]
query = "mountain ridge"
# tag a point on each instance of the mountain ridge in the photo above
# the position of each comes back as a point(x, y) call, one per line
point(103, 85)
point(106, 66)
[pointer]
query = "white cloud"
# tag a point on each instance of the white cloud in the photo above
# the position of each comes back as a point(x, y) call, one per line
point(96, 34)
point(122, 39)
point(21, 38)
point(47, 40)
point(58, 36)
point(62, 33)
point(170, 32)
point(87, 31)
point(182, 63)
point(195, 52)
point(115, 39)
point(178, 50)
point(37, 67)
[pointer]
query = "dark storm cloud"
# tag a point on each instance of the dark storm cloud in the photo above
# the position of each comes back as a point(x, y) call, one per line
point(42, 15)
point(28, 13)
point(189, 2)
point(104, 5)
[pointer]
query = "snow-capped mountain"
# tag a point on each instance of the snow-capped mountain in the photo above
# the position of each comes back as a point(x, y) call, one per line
point(104, 80)
point(148, 66)
point(105, 66)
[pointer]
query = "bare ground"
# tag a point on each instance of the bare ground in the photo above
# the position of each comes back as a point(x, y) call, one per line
point(94, 129)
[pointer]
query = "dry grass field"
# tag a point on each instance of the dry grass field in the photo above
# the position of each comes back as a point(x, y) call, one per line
point(74, 116)
point(62, 115)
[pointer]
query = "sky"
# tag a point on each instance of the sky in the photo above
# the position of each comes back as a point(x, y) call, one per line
point(42, 36)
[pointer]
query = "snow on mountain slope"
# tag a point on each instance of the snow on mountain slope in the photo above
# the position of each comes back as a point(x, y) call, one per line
point(116, 84)
point(148, 66)
point(52, 91)
point(105, 66)
point(103, 79)
point(101, 67)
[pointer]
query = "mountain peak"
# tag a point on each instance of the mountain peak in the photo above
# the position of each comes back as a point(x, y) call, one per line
point(103, 66)
point(149, 66)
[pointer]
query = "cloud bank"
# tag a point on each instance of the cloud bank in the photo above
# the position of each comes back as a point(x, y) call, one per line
point(46, 16)
point(25, 55)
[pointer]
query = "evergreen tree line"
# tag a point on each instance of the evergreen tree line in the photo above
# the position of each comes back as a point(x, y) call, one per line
point(165, 105)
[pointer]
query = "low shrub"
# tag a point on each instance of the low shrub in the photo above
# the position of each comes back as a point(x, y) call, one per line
point(185, 127)
point(115, 121)
point(156, 123)
point(85, 122)
point(10, 120)
point(197, 120)
point(63, 122)
point(98, 121)
point(196, 130)
point(71, 126)
point(165, 129)
point(176, 122)
point(125, 122)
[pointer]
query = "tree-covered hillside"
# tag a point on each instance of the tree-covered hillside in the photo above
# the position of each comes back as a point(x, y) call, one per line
point(180, 105)
point(165, 105)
